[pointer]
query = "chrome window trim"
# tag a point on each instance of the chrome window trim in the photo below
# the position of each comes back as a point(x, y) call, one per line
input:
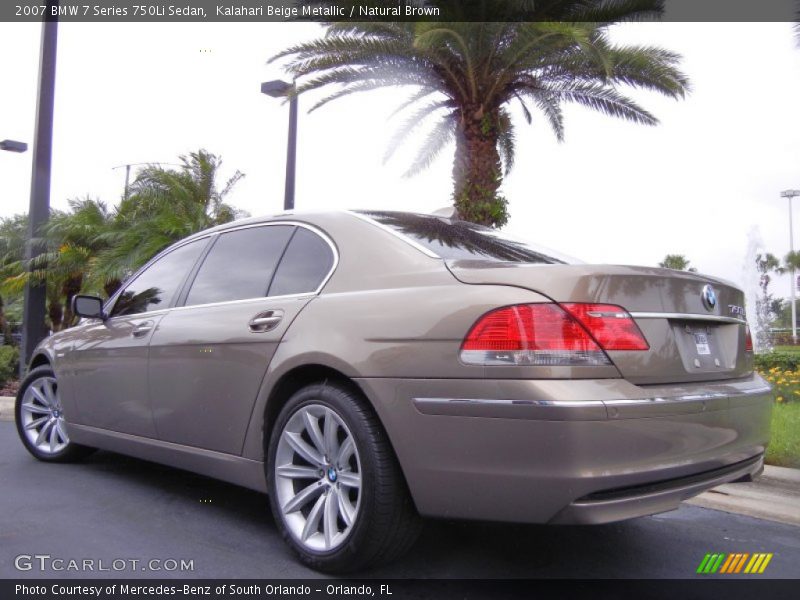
point(397, 234)
point(319, 232)
point(243, 301)
point(686, 317)
point(109, 304)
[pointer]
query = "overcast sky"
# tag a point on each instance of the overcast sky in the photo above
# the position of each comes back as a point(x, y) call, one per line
point(613, 192)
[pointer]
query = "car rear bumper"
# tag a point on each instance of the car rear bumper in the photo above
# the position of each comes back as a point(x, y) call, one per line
point(648, 499)
point(569, 451)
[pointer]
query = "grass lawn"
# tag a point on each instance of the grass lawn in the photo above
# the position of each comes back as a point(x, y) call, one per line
point(784, 449)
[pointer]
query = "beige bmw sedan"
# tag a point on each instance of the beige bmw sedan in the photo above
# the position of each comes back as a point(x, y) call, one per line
point(368, 368)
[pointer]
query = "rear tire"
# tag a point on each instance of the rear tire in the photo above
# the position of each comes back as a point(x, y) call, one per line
point(40, 419)
point(336, 489)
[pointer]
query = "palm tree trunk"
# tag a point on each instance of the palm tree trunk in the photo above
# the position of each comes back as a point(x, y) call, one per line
point(110, 287)
point(72, 286)
point(477, 170)
point(55, 311)
point(5, 329)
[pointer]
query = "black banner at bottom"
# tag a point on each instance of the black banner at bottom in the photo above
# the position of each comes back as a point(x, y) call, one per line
point(396, 589)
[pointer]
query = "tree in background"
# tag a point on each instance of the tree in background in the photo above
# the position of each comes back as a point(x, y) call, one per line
point(797, 25)
point(75, 239)
point(164, 206)
point(91, 248)
point(677, 262)
point(791, 262)
point(766, 264)
point(13, 231)
point(783, 311)
point(466, 77)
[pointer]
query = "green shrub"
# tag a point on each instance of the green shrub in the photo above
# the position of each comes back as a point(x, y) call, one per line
point(9, 363)
point(783, 361)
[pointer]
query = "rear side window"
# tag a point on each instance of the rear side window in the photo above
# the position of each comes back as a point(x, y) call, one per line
point(306, 263)
point(460, 240)
point(240, 265)
point(155, 287)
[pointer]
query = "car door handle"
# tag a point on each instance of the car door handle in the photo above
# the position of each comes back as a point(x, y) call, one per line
point(142, 329)
point(265, 321)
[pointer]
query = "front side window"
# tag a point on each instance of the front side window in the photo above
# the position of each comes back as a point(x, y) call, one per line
point(155, 287)
point(460, 240)
point(304, 266)
point(240, 265)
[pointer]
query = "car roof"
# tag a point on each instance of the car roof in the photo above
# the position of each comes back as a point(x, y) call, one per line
point(311, 216)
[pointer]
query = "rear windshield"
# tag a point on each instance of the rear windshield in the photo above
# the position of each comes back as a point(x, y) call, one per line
point(460, 240)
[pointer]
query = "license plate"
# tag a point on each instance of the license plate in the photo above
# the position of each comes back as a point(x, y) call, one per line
point(701, 341)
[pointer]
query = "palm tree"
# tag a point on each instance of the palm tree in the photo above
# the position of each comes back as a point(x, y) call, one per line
point(676, 261)
point(92, 248)
point(71, 241)
point(75, 239)
point(468, 74)
point(164, 206)
point(766, 263)
point(13, 231)
point(797, 24)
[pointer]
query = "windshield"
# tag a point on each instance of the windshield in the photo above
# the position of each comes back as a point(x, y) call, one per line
point(460, 240)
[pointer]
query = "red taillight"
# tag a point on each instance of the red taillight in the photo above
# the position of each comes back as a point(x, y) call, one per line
point(547, 334)
point(610, 325)
point(748, 339)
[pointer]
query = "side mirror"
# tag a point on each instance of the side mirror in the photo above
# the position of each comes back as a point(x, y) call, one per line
point(90, 307)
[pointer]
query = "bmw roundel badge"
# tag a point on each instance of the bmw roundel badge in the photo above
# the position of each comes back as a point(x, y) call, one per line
point(709, 297)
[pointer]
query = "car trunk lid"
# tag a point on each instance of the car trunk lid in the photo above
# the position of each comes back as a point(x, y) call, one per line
point(690, 339)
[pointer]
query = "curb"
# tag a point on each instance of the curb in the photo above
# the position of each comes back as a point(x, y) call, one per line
point(7, 408)
point(774, 496)
point(759, 502)
point(781, 476)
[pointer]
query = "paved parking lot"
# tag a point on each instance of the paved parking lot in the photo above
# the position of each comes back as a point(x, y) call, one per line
point(114, 507)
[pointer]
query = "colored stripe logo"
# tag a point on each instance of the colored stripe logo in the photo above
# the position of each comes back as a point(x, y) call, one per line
point(737, 562)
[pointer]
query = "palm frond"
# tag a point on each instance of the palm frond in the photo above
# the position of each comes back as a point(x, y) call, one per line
point(411, 124)
point(506, 141)
point(604, 100)
point(439, 136)
point(615, 11)
point(550, 107)
point(352, 88)
point(423, 92)
point(525, 110)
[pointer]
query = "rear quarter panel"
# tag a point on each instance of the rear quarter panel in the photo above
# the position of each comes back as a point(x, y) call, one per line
point(409, 332)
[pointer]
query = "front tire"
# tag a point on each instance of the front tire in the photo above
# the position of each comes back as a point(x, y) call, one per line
point(336, 490)
point(40, 419)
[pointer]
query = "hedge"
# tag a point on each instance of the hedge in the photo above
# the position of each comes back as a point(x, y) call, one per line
point(784, 361)
point(9, 363)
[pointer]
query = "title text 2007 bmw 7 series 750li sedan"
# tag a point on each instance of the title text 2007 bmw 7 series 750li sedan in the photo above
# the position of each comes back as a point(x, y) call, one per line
point(369, 368)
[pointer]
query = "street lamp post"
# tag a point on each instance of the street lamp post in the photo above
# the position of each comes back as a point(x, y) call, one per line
point(283, 89)
point(34, 299)
point(791, 194)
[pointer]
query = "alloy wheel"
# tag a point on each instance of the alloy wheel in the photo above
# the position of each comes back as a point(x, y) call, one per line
point(318, 478)
point(42, 416)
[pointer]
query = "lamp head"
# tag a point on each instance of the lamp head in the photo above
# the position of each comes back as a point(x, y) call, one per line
point(276, 88)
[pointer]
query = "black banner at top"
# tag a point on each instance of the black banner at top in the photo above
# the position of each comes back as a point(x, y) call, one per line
point(242, 11)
